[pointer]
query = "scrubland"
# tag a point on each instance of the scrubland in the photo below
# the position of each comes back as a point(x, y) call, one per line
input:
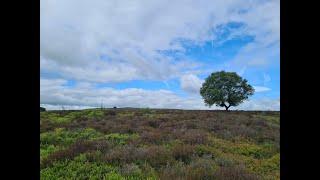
point(159, 144)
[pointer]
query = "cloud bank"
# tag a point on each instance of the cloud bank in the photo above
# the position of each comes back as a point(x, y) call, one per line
point(118, 41)
point(105, 41)
point(55, 95)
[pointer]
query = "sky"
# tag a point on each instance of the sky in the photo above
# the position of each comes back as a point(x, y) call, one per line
point(156, 53)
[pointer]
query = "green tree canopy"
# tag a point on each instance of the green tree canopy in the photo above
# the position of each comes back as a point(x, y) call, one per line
point(225, 89)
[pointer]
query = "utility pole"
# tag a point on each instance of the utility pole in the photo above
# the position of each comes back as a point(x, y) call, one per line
point(101, 106)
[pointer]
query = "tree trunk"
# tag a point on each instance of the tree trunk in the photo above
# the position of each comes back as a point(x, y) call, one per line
point(227, 107)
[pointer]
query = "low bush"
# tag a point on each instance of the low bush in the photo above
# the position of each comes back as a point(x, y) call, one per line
point(201, 168)
point(78, 168)
point(124, 155)
point(269, 166)
point(173, 172)
point(131, 170)
point(192, 136)
point(169, 144)
point(74, 150)
point(234, 173)
point(121, 139)
point(63, 137)
point(223, 162)
point(183, 152)
point(47, 150)
point(158, 156)
point(153, 136)
point(110, 113)
point(197, 169)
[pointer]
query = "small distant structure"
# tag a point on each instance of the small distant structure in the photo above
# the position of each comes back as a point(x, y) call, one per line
point(114, 107)
point(42, 109)
point(101, 106)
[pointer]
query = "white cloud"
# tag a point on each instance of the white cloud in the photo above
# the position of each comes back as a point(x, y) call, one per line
point(54, 94)
point(76, 33)
point(261, 89)
point(260, 104)
point(191, 83)
point(101, 41)
point(65, 107)
point(263, 22)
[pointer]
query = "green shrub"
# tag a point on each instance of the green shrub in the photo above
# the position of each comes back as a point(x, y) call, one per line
point(175, 171)
point(124, 154)
point(78, 168)
point(74, 150)
point(131, 170)
point(202, 150)
point(270, 118)
point(95, 114)
point(249, 150)
point(245, 148)
point(146, 111)
point(126, 114)
point(61, 136)
point(197, 169)
point(193, 136)
point(110, 113)
point(183, 152)
point(113, 176)
point(121, 139)
point(153, 144)
point(59, 118)
point(234, 173)
point(154, 136)
point(201, 168)
point(158, 156)
point(223, 162)
point(269, 165)
point(47, 150)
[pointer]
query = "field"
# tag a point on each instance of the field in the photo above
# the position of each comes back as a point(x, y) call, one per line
point(159, 144)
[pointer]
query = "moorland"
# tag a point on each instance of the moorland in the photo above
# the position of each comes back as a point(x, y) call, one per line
point(128, 143)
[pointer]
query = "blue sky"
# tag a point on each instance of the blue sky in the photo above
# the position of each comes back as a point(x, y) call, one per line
point(156, 54)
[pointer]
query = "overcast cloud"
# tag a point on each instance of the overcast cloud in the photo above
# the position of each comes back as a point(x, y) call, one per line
point(55, 95)
point(117, 41)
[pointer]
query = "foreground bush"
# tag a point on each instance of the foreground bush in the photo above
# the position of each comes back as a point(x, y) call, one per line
point(159, 144)
point(78, 169)
point(234, 173)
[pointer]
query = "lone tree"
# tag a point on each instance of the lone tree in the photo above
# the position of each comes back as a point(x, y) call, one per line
point(225, 89)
